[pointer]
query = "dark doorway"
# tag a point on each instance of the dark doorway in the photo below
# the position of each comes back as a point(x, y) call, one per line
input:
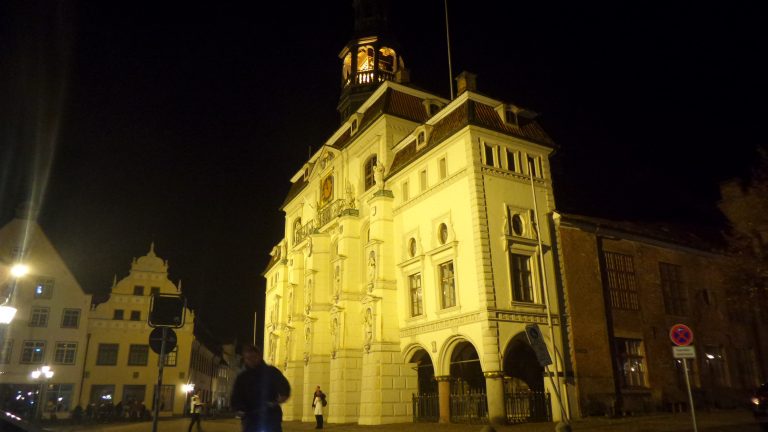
point(466, 371)
point(521, 365)
point(426, 372)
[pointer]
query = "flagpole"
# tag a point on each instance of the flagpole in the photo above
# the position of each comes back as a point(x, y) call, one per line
point(448, 40)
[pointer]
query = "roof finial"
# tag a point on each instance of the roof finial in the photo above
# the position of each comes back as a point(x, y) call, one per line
point(114, 281)
point(178, 287)
point(151, 249)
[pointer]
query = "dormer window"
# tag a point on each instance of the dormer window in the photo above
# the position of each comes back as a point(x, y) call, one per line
point(353, 129)
point(510, 117)
point(421, 138)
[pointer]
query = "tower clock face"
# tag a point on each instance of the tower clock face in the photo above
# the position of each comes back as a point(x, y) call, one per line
point(327, 188)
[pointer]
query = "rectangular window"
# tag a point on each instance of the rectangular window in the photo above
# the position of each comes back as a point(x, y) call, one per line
point(39, 317)
point(621, 280)
point(65, 353)
point(138, 290)
point(522, 278)
point(170, 358)
point(101, 394)
point(488, 153)
point(107, 355)
point(166, 397)
point(6, 349)
point(442, 168)
point(44, 288)
point(631, 362)
point(154, 290)
point(414, 286)
point(138, 355)
point(70, 318)
point(447, 285)
point(406, 195)
point(534, 166)
point(423, 180)
point(511, 160)
point(32, 352)
point(58, 397)
point(118, 314)
point(135, 315)
point(675, 294)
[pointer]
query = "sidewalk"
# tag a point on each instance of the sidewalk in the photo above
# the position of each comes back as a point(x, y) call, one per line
point(716, 421)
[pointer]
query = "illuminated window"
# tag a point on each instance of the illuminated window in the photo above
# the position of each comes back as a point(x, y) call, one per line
point(370, 166)
point(365, 58)
point(44, 288)
point(675, 294)
point(414, 285)
point(346, 68)
point(387, 59)
point(170, 358)
point(70, 318)
point(447, 285)
point(101, 394)
point(65, 353)
point(59, 397)
point(621, 280)
point(631, 362)
point(118, 314)
point(138, 290)
point(522, 278)
point(138, 355)
point(32, 352)
point(107, 354)
point(39, 317)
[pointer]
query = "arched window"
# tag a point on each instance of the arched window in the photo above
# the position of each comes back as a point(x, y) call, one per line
point(346, 68)
point(296, 230)
point(387, 60)
point(370, 165)
point(365, 58)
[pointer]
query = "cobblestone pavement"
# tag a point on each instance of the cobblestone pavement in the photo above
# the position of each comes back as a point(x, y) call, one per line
point(716, 421)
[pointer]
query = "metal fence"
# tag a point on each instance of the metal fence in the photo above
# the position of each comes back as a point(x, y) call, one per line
point(470, 407)
point(426, 407)
point(528, 406)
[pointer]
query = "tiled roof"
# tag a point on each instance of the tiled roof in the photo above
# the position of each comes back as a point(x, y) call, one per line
point(486, 116)
point(295, 189)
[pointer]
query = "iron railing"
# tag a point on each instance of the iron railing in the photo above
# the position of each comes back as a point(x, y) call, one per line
point(470, 407)
point(426, 407)
point(528, 406)
point(325, 215)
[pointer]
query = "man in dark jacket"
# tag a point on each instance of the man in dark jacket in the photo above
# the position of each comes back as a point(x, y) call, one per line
point(258, 392)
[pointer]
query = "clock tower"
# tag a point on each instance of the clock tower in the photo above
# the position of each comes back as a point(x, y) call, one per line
point(370, 58)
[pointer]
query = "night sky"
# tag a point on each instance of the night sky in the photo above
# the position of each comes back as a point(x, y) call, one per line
point(182, 123)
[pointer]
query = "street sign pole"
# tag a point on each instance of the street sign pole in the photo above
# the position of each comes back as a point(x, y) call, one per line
point(690, 396)
point(156, 408)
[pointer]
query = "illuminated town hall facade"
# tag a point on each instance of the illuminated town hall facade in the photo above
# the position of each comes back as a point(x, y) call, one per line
point(412, 258)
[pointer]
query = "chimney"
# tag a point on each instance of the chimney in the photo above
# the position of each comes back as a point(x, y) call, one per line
point(466, 81)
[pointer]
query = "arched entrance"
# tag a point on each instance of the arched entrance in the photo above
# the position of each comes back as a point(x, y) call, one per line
point(524, 395)
point(468, 395)
point(426, 403)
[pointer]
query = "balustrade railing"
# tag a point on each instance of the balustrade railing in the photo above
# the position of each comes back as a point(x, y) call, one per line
point(426, 407)
point(324, 216)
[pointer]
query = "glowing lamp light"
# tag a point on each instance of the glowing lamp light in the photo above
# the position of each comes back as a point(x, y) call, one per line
point(44, 372)
point(6, 314)
point(756, 401)
point(19, 270)
point(186, 388)
point(710, 356)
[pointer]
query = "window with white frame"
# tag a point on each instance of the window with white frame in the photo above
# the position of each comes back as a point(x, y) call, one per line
point(70, 318)
point(32, 352)
point(512, 160)
point(631, 359)
point(414, 287)
point(170, 358)
point(534, 166)
point(65, 353)
point(622, 283)
point(39, 317)
point(521, 271)
point(489, 155)
point(447, 285)
point(44, 288)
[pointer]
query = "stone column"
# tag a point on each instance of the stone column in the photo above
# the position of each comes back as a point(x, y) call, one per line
point(444, 396)
point(494, 387)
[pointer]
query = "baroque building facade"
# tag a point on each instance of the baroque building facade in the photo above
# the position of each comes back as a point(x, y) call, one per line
point(415, 253)
point(50, 325)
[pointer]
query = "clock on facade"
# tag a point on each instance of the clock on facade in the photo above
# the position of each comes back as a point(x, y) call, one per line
point(327, 188)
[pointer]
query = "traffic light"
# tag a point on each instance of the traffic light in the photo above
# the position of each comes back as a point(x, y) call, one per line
point(167, 310)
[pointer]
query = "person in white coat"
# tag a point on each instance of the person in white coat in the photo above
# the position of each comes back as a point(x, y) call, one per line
point(318, 402)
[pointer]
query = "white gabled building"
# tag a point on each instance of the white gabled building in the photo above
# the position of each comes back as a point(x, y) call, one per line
point(50, 325)
point(410, 263)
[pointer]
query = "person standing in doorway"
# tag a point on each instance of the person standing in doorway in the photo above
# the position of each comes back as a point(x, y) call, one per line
point(318, 402)
point(195, 407)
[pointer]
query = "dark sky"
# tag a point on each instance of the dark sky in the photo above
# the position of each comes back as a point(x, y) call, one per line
point(182, 123)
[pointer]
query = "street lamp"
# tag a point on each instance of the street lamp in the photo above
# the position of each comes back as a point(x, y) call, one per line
point(42, 375)
point(7, 311)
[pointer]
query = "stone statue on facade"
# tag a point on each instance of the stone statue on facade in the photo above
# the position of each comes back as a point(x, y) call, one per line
point(378, 174)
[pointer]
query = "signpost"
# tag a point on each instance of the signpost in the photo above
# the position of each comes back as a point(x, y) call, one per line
point(682, 336)
point(166, 311)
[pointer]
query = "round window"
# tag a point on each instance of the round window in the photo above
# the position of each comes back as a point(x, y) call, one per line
point(443, 233)
point(412, 247)
point(517, 224)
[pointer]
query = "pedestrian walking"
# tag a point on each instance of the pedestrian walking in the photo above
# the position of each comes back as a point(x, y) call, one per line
point(195, 407)
point(258, 392)
point(318, 402)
